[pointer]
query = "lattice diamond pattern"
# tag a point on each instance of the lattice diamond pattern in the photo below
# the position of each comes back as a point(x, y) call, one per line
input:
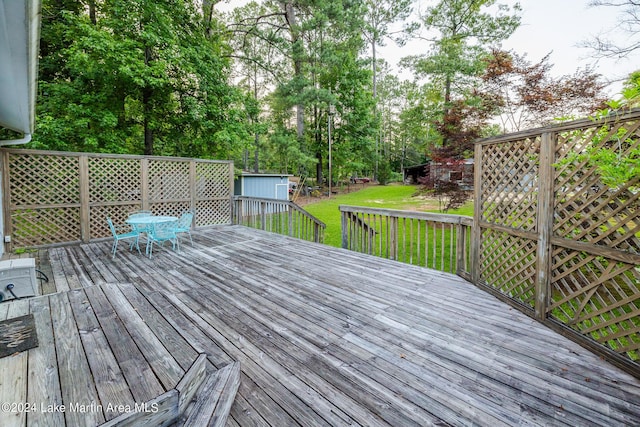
point(45, 226)
point(508, 184)
point(99, 214)
point(599, 298)
point(586, 209)
point(43, 180)
point(45, 193)
point(170, 208)
point(168, 180)
point(114, 180)
point(508, 264)
point(210, 212)
point(212, 181)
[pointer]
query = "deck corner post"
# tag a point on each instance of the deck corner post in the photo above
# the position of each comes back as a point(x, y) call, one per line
point(343, 226)
point(476, 232)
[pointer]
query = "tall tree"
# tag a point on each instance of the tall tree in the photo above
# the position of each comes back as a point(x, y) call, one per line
point(138, 77)
point(464, 30)
point(628, 26)
point(529, 96)
point(309, 56)
point(380, 14)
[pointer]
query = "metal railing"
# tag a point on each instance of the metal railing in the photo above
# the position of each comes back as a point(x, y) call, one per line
point(277, 216)
point(437, 241)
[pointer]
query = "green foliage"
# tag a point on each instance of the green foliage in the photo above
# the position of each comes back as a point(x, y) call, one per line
point(614, 151)
point(464, 32)
point(135, 77)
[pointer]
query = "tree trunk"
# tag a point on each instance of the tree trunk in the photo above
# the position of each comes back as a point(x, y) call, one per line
point(291, 18)
point(447, 104)
point(147, 95)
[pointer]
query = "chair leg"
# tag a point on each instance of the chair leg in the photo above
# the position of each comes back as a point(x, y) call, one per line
point(114, 248)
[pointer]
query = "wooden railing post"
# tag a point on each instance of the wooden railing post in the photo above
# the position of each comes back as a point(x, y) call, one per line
point(144, 183)
point(476, 231)
point(290, 217)
point(193, 188)
point(393, 237)
point(263, 215)
point(460, 248)
point(545, 225)
point(344, 224)
point(6, 200)
point(83, 182)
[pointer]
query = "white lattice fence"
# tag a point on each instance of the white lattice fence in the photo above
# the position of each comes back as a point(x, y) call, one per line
point(555, 239)
point(54, 197)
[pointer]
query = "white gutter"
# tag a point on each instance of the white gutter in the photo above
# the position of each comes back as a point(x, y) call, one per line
point(26, 139)
point(19, 41)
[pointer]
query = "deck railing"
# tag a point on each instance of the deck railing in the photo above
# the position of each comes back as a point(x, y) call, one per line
point(437, 241)
point(554, 234)
point(52, 197)
point(277, 216)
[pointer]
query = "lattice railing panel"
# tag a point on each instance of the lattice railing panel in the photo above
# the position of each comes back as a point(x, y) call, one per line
point(508, 183)
point(597, 297)
point(118, 214)
point(582, 257)
point(211, 212)
point(170, 208)
point(113, 180)
point(587, 210)
point(212, 181)
point(508, 265)
point(45, 226)
point(168, 180)
point(65, 197)
point(43, 180)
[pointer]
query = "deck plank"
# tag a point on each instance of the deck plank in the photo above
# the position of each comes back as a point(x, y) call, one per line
point(44, 380)
point(164, 365)
point(107, 376)
point(323, 337)
point(76, 382)
point(143, 383)
point(13, 382)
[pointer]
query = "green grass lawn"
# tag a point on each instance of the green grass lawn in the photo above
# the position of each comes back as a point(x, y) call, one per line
point(399, 197)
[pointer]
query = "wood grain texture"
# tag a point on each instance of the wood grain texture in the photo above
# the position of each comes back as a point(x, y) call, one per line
point(323, 336)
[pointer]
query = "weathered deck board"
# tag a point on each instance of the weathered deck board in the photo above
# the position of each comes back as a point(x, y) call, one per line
point(323, 337)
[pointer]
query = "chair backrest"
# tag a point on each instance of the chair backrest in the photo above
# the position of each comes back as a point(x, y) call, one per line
point(111, 226)
point(164, 230)
point(185, 220)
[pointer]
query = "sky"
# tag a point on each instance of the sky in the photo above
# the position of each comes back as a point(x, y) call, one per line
point(548, 26)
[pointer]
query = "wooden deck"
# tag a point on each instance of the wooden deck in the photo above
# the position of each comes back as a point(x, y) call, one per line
point(323, 337)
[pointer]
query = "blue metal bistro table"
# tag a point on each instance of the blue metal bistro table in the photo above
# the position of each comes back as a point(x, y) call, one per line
point(158, 228)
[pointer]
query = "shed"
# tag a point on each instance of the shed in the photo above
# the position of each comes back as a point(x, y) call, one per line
point(267, 186)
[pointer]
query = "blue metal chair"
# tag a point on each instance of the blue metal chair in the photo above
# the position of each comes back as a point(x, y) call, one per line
point(161, 232)
point(122, 233)
point(184, 225)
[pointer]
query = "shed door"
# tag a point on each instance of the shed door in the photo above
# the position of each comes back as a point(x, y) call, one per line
point(282, 191)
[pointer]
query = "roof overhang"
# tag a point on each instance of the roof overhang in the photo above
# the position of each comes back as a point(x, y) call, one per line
point(19, 42)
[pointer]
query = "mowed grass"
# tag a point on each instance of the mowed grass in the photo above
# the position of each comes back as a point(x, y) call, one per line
point(401, 197)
